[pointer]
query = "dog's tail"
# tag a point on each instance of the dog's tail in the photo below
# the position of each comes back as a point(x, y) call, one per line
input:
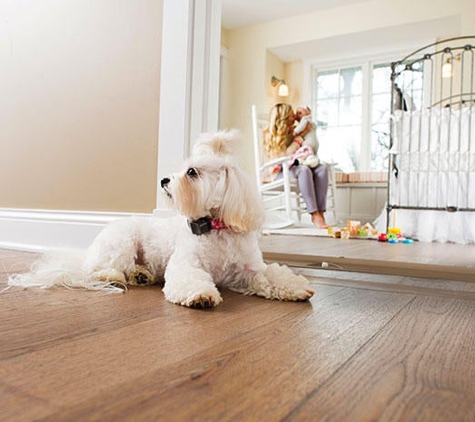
point(61, 269)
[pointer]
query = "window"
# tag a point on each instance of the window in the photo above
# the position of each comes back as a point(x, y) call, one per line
point(351, 105)
point(380, 110)
point(339, 115)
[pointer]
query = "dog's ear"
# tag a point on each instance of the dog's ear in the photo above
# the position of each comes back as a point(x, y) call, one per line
point(220, 143)
point(241, 209)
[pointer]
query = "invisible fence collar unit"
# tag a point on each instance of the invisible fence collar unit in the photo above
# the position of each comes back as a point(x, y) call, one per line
point(205, 224)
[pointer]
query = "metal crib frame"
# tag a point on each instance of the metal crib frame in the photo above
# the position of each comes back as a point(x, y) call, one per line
point(437, 92)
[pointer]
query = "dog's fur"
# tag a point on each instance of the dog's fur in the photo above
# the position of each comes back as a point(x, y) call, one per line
point(151, 250)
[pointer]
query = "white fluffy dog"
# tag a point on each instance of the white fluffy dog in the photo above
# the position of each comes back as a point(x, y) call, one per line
point(213, 243)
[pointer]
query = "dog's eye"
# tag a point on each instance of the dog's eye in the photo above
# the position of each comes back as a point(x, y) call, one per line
point(192, 172)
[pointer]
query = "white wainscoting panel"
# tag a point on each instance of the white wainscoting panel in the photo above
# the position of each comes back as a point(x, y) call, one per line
point(360, 201)
point(40, 230)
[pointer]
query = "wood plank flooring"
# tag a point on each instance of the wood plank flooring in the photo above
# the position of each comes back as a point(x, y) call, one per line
point(421, 259)
point(366, 347)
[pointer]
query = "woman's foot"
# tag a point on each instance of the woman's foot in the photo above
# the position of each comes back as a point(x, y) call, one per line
point(319, 220)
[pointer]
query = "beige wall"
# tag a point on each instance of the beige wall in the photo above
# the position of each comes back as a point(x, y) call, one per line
point(274, 67)
point(79, 97)
point(249, 56)
point(294, 77)
point(224, 37)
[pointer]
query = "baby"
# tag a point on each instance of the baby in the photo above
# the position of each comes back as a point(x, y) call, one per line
point(307, 129)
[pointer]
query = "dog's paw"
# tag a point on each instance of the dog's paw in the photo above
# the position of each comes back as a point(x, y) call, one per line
point(297, 288)
point(203, 300)
point(280, 282)
point(141, 276)
point(301, 295)
point(196, 293)
point(109, 275)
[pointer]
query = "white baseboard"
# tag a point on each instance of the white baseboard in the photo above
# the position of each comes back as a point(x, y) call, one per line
point(40, 230)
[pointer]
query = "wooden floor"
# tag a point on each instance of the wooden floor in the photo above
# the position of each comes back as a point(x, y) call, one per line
point(365, 348)
point(420, 259)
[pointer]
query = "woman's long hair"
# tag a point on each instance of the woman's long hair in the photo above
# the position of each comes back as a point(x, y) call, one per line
point(277, 135)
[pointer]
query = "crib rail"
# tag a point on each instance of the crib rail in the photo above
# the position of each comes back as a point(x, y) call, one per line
point(432, 131)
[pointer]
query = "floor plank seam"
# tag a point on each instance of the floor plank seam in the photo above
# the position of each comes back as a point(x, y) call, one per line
point(399, 289)
point(312, 393)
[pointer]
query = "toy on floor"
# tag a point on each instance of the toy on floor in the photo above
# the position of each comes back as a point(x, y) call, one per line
point(354, 230)
point(353, 226)
point(396, 231)
point(345, 233)
point(394, 235)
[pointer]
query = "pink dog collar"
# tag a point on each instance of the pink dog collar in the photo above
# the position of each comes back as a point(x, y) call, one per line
point(205, 225)
point(218, 225)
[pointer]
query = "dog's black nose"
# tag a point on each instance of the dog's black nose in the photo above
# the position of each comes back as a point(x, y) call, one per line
point(164, 182)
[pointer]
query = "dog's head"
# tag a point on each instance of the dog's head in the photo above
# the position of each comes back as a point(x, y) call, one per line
point(211, 185)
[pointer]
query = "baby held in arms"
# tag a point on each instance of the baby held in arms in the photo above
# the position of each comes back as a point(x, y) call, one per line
point(306, 130)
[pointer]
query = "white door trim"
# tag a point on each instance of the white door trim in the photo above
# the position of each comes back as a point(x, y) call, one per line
point(189, 89)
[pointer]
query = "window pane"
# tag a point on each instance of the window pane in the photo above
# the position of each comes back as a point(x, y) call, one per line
point(380, 111)
point(381, 79)
point(411, 83)
point(350, 111)
point(327, 84)
point(351, 81)
point(327, 112)
point(411, 80)
point(380, 108)
point(379, 147)
point(340, 145)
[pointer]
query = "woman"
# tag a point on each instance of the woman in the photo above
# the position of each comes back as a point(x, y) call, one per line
point(313, 182)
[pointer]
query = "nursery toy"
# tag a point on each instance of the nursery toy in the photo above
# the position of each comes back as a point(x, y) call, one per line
point(353, 226)
point(372, 232)
point(395, 230)
point(362, 232)
point(393, 240)
point(382, 237)
point(407, 241)
point(336, 234)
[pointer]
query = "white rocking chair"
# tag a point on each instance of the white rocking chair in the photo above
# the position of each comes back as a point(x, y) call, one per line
point(282, 198)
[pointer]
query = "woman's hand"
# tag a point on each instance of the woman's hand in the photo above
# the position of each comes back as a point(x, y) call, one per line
point(294, 146)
